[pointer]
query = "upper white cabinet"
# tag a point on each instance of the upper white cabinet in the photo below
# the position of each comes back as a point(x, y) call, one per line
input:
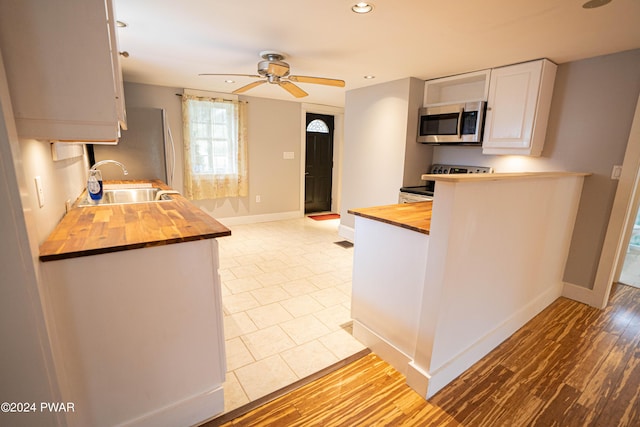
point(518, 108)
point(62, 65)
point(466, 87)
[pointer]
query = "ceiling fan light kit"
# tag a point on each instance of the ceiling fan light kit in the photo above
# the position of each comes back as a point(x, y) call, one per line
point(274, 70)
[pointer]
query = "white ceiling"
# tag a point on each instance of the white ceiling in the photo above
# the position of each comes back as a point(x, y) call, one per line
point(170, 42)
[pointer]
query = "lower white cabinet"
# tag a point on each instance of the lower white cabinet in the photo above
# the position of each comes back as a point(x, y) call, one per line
point(137, 335)
point(518, 108)
point(389, 268)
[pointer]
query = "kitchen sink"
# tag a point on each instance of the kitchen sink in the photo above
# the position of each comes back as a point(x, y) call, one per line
point(120, 196)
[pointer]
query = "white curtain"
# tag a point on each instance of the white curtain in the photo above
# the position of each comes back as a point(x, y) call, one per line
point(215, 148)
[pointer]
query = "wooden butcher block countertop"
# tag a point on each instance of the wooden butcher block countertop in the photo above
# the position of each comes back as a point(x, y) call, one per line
point(96, 230)
point(412, 216)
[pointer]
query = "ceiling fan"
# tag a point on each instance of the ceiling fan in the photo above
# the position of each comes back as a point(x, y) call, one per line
point(276, 71)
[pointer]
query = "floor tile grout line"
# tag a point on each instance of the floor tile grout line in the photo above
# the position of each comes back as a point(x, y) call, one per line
point(325, 282)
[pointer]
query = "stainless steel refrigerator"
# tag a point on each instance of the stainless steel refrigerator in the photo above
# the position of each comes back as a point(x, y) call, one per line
point(141, 148)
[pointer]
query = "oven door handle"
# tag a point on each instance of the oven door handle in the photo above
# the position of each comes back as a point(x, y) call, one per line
point(460, 116)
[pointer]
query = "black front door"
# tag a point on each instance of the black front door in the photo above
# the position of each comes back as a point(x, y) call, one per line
point(319, 163)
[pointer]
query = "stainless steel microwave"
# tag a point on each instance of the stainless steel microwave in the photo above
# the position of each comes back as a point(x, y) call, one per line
point(452, 123)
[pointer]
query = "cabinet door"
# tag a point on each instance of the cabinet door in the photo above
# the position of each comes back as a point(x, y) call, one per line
point(511, 107)
point(115, 65)
point(61, 69)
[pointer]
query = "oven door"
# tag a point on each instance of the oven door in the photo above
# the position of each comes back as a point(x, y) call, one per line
point(412, 198)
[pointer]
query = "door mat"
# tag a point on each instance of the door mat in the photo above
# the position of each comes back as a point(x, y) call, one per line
point(344, 244)
point(323, 217)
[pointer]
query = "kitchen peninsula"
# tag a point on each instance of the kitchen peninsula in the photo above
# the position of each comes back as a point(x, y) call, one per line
point(133, 305)
point(433, 295)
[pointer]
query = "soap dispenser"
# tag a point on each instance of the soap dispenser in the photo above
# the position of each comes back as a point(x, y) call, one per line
point(94, 184)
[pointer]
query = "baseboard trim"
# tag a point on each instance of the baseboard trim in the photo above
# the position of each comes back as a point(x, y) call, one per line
point(348, 233)
point(190, 411)
point(418, 379)
point(580, 294)
point(459, 363)
point(254, 219)
point(380, 346)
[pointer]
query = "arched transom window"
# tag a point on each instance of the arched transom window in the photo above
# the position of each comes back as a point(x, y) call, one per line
point(317, 125)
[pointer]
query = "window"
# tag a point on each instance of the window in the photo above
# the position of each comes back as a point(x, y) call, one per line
point(214, 135)
point(215, 148)
point(317, 125)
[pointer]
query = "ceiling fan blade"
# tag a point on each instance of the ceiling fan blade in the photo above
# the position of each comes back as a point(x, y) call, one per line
point(293, 89)
point(277, 69)
point(236, 75)
point(249, 86)
point(317, 80)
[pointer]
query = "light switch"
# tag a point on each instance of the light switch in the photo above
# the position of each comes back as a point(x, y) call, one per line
point(39, 191)
point(288, 155)
point(616, 172)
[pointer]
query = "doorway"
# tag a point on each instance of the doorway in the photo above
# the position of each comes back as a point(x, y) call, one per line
point(630, 271)
point(318, 173)
point(630, 274)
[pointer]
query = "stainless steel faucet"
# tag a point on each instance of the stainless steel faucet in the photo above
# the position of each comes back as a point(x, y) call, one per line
point(102, 162)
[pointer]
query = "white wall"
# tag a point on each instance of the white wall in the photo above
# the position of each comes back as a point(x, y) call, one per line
point(379, 121)
point(61, 180)
point(26, 365)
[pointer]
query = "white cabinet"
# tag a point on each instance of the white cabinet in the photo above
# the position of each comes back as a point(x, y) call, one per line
point(518, 107)
point(465, 87)
point(137, 336)
point(62, 64)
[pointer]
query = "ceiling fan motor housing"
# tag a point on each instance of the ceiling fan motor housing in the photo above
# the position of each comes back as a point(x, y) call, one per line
point(273, 66)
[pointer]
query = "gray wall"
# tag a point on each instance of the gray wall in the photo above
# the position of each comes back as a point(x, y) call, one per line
point(273, 127)
point(417, 157)
point(591, 114)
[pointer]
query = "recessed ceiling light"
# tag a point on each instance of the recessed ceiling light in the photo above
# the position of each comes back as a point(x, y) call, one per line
point(369, 77)
point(592, 4)
point(121, 24)
point(362, 7)
point(229, 81)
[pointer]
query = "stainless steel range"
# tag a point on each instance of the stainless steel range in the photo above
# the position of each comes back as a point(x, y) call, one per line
point(423, 193)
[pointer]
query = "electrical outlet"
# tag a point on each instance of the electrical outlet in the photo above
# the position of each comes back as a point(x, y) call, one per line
point(39, 191)
point(258, 200)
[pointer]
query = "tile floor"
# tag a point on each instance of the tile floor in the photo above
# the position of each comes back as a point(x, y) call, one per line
point(286, 293)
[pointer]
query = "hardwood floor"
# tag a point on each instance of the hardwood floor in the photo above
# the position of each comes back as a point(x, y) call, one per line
point(572, 365)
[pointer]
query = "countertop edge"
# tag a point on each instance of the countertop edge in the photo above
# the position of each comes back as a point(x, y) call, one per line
point(374, 214)
point(394, 223)
point(121, 248)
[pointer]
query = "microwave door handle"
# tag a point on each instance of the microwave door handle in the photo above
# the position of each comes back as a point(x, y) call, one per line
point(461, 115)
